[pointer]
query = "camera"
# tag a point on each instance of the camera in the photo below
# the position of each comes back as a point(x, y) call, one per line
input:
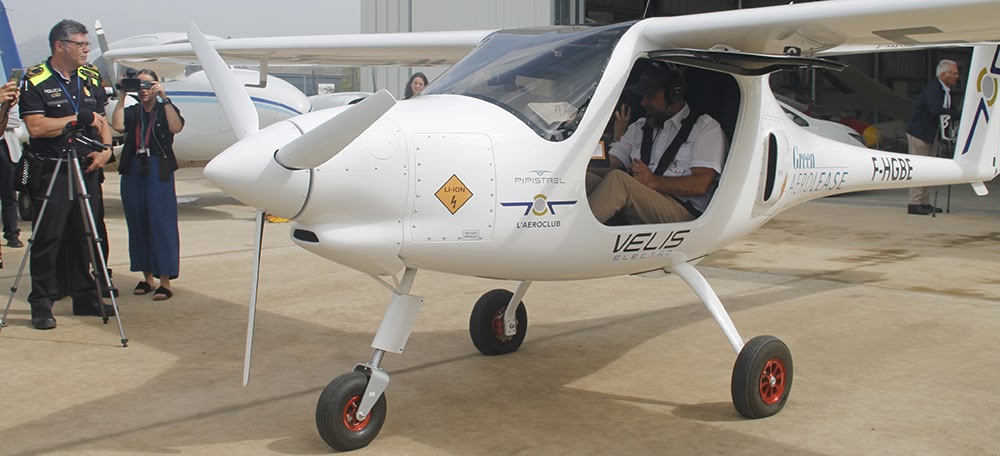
point(135, 84)
point(131, 83)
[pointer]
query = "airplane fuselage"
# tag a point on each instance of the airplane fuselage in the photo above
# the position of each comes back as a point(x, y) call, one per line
point(486, 176)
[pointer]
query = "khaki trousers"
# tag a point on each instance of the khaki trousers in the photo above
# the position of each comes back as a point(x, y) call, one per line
point(920, 195)
point(619, 192)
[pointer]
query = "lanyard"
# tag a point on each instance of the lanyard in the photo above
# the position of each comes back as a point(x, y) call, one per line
point(69, 96)
point(143, 132)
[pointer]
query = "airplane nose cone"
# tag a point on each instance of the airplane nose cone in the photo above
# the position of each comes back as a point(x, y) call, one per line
point(248, 172)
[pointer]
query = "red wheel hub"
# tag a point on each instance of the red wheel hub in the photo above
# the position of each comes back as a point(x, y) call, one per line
point(498, 330)
point(772, 381)
point(351, 415)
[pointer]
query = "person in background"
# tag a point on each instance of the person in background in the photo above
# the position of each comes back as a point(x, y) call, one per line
point(415, 85)
point(923, 129)
point(11, 151)
point(149, 197)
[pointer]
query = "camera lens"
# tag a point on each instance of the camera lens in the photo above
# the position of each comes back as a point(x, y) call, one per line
point(145, 85)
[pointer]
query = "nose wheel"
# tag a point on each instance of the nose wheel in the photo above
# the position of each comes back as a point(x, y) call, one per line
point(762, 377)
point(336, 413)
point(486, 324)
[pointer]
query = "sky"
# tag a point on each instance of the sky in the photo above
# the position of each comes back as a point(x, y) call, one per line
point(31, 19)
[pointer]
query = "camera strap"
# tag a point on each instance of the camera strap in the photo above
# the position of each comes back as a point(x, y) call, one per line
point(145, 129)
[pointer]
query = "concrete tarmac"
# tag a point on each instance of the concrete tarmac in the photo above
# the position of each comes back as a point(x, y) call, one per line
point(891, 319)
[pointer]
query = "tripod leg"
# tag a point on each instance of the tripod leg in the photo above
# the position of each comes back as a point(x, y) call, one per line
point(31, 242)
point(94, 246)
point(947, 204)
point(934, 204)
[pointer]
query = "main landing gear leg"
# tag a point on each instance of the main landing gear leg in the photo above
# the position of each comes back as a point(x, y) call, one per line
point(352, 408)
point(496, 329)
point(762, 375)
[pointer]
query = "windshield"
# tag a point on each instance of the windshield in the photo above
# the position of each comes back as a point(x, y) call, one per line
point(544, 76)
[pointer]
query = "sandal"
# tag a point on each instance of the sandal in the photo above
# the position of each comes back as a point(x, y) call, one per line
point(162, 294)
point(142, 288)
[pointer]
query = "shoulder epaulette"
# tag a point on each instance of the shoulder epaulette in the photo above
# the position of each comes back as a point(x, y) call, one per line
point(37, 73)
point(90, 72)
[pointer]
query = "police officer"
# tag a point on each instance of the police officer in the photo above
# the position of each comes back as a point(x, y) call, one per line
point(64, 89)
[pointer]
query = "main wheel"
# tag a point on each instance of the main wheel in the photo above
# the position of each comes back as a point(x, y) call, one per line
point(486, 324)
point(762, 377)
point(336, 411)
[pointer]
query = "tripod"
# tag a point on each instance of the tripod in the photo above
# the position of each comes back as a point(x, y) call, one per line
point(77, 189)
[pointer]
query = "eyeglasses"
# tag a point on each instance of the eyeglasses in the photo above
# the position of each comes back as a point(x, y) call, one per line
point(83, 44)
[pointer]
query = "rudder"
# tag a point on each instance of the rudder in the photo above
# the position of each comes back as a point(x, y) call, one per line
point(977, 145)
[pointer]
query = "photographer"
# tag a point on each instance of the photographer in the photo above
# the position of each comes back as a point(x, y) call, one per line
point(147, 181)
point(59, 96)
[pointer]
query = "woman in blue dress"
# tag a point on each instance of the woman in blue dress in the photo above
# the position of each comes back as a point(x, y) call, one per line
point(147, 168)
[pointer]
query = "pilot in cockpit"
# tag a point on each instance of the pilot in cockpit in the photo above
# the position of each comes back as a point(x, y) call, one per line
point(665, 167)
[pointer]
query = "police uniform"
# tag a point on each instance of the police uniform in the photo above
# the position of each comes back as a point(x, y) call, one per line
point(61, 236)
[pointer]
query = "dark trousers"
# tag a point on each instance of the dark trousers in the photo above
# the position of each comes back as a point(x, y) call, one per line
point(8, 198)
point(150, 207)
point(61, 238)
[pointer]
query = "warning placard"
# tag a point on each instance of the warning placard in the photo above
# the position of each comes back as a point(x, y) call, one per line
point(453, 194)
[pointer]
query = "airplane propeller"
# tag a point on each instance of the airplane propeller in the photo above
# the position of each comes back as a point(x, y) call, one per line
point(290, 163)
point(322, 143)
point(235, 101)
point(242, 116)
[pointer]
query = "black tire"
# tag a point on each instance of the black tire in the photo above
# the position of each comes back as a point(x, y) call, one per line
point(24, 208)
point(762, 377)
point(335, 410)
point(486, 324)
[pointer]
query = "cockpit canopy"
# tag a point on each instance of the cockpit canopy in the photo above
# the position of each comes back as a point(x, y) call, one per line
point(543, 76)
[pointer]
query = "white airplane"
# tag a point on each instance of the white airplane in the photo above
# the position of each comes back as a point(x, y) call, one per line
point(206, 131)
point(486, 168)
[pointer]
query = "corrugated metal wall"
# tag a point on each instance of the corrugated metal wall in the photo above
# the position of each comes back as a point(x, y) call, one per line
point(380, 16)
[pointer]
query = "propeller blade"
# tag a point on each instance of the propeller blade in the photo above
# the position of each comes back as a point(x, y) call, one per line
point(254, 280)
point(327, 140)
point(235, 101)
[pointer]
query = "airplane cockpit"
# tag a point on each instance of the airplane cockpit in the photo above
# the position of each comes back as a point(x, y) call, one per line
point(544, 76)
point(705, 92)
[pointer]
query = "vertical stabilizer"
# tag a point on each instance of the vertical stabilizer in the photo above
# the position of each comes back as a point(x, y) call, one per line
point(106, 67)
point(8, 47)
point(977, 145)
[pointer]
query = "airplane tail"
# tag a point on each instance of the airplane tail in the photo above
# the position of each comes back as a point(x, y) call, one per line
point(977, 146)
point(106, 67)
point(8, 47)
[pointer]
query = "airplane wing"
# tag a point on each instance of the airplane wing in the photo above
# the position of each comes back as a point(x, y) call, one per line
point(833, 27)
point(407, 49)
